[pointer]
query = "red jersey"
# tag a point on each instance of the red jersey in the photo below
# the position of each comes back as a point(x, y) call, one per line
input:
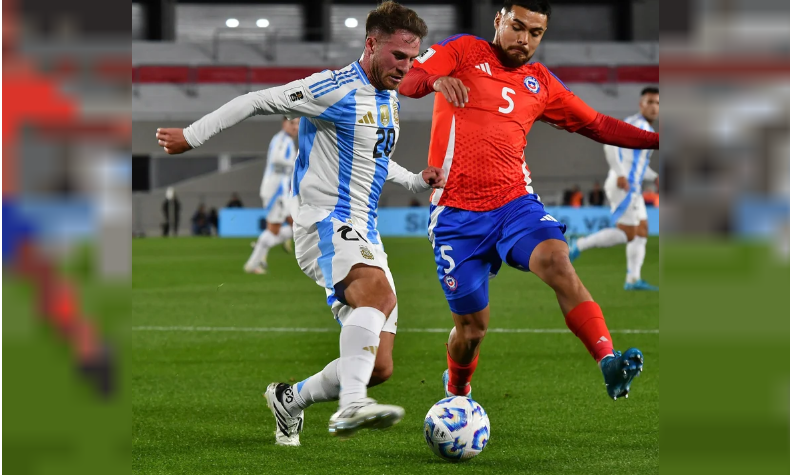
point(481, 146)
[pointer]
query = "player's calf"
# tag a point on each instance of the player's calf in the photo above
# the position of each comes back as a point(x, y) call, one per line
point(463, 348)
point(382, 371)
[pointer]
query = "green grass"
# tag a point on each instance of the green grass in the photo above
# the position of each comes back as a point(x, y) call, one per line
point(196, 396)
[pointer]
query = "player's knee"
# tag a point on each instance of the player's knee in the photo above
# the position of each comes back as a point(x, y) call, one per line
point(386, 299)
point(554, 262)
point(473, 335)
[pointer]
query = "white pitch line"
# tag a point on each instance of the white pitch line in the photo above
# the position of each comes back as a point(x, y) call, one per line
point(333, 330)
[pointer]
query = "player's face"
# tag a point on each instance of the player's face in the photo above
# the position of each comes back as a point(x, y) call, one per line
point(291, 127)
point(391, 58)
point(649, 107)
point(519, 33)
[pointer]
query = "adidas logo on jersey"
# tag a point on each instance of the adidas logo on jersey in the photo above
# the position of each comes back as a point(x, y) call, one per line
point(549, 217)
point(485, 68)
point(367, 119)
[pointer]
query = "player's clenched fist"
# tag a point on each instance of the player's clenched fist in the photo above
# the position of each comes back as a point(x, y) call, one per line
point(172, 140)
point(434, 176)
point(453, 90)
point(622, 183)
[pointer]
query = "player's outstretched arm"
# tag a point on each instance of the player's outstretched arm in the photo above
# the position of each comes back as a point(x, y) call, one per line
point(431, 177)
point(610, 131)
point(292, 100)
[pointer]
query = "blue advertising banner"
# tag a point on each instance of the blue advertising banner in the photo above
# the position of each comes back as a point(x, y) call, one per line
point(413, 222)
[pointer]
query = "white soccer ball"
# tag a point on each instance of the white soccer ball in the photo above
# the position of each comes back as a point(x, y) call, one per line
point(457, 429)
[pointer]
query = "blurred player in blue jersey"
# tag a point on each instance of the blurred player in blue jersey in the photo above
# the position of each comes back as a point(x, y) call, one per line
point(628, 169)
point(348, 132)
point(276, 196)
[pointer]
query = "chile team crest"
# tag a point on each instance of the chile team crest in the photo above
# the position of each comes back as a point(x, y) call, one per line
point(532, 84)
point(452, 284)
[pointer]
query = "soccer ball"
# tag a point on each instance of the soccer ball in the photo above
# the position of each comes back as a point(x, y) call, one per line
point(457, 429)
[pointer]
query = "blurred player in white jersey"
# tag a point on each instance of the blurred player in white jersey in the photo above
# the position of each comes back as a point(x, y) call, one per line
point(623, 187)
point(276, 196)
point(350, 125)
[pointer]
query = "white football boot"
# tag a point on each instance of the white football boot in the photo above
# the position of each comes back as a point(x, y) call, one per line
point(288, 427)
point(364, 414)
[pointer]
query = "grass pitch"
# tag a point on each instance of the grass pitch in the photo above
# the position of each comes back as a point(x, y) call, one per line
point(196, 391)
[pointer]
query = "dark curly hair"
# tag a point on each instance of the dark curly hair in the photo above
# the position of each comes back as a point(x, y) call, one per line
point(390, 17)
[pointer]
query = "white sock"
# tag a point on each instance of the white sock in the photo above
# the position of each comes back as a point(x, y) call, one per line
point(321, 387)
point(604, 238)
point(266, 241)
point(359, 343)
point(635, 253)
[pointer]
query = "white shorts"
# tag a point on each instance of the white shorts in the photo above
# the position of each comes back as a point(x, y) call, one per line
point(327, 251)
point(279, 208)
point(628, 208)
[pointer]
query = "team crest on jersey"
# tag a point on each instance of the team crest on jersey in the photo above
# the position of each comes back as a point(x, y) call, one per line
point(384, 113)
point(532, 84)
point(451, 283)
point(366, 253)
point(395, 116)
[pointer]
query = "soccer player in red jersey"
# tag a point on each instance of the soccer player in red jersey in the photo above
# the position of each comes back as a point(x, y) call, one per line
point(487, 213)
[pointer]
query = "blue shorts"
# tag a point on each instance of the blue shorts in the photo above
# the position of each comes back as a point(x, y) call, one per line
point(470, 246)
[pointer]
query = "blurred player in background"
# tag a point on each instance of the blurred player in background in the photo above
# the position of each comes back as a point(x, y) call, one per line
point(276, 196)
point(627, 170)
point(487, 213)
point(350, 128)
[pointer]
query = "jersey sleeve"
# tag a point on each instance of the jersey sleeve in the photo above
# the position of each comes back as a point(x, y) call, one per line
point(443, 58)
point(411, 181)
point(564, 109)
point(295, 99)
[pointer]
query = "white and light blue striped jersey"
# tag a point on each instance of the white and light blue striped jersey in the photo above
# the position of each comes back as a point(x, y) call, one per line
point(632, 164)
point(279, 167)
point(346, 138)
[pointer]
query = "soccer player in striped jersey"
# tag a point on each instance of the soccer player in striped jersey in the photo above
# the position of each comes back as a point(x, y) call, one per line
point(487, 215)
point(350, 125)
point(276, 196)
point(627, 170)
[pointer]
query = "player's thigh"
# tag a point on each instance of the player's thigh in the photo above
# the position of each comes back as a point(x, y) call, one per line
point(366, 286)
point(327, 252)
point(464, 245)
point(526, 226)
point(630, 231)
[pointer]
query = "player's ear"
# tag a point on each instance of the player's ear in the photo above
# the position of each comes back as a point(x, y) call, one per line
point(370, 45)
point(497, 20)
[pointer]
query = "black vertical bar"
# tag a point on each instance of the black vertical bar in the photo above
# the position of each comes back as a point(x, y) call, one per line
point(624, 20)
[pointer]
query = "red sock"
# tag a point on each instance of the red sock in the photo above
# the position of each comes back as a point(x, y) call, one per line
point(460, 376)
point(586, 322)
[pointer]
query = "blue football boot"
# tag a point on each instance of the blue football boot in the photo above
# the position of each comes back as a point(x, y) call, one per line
point(620, 369)
point(640, 285)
